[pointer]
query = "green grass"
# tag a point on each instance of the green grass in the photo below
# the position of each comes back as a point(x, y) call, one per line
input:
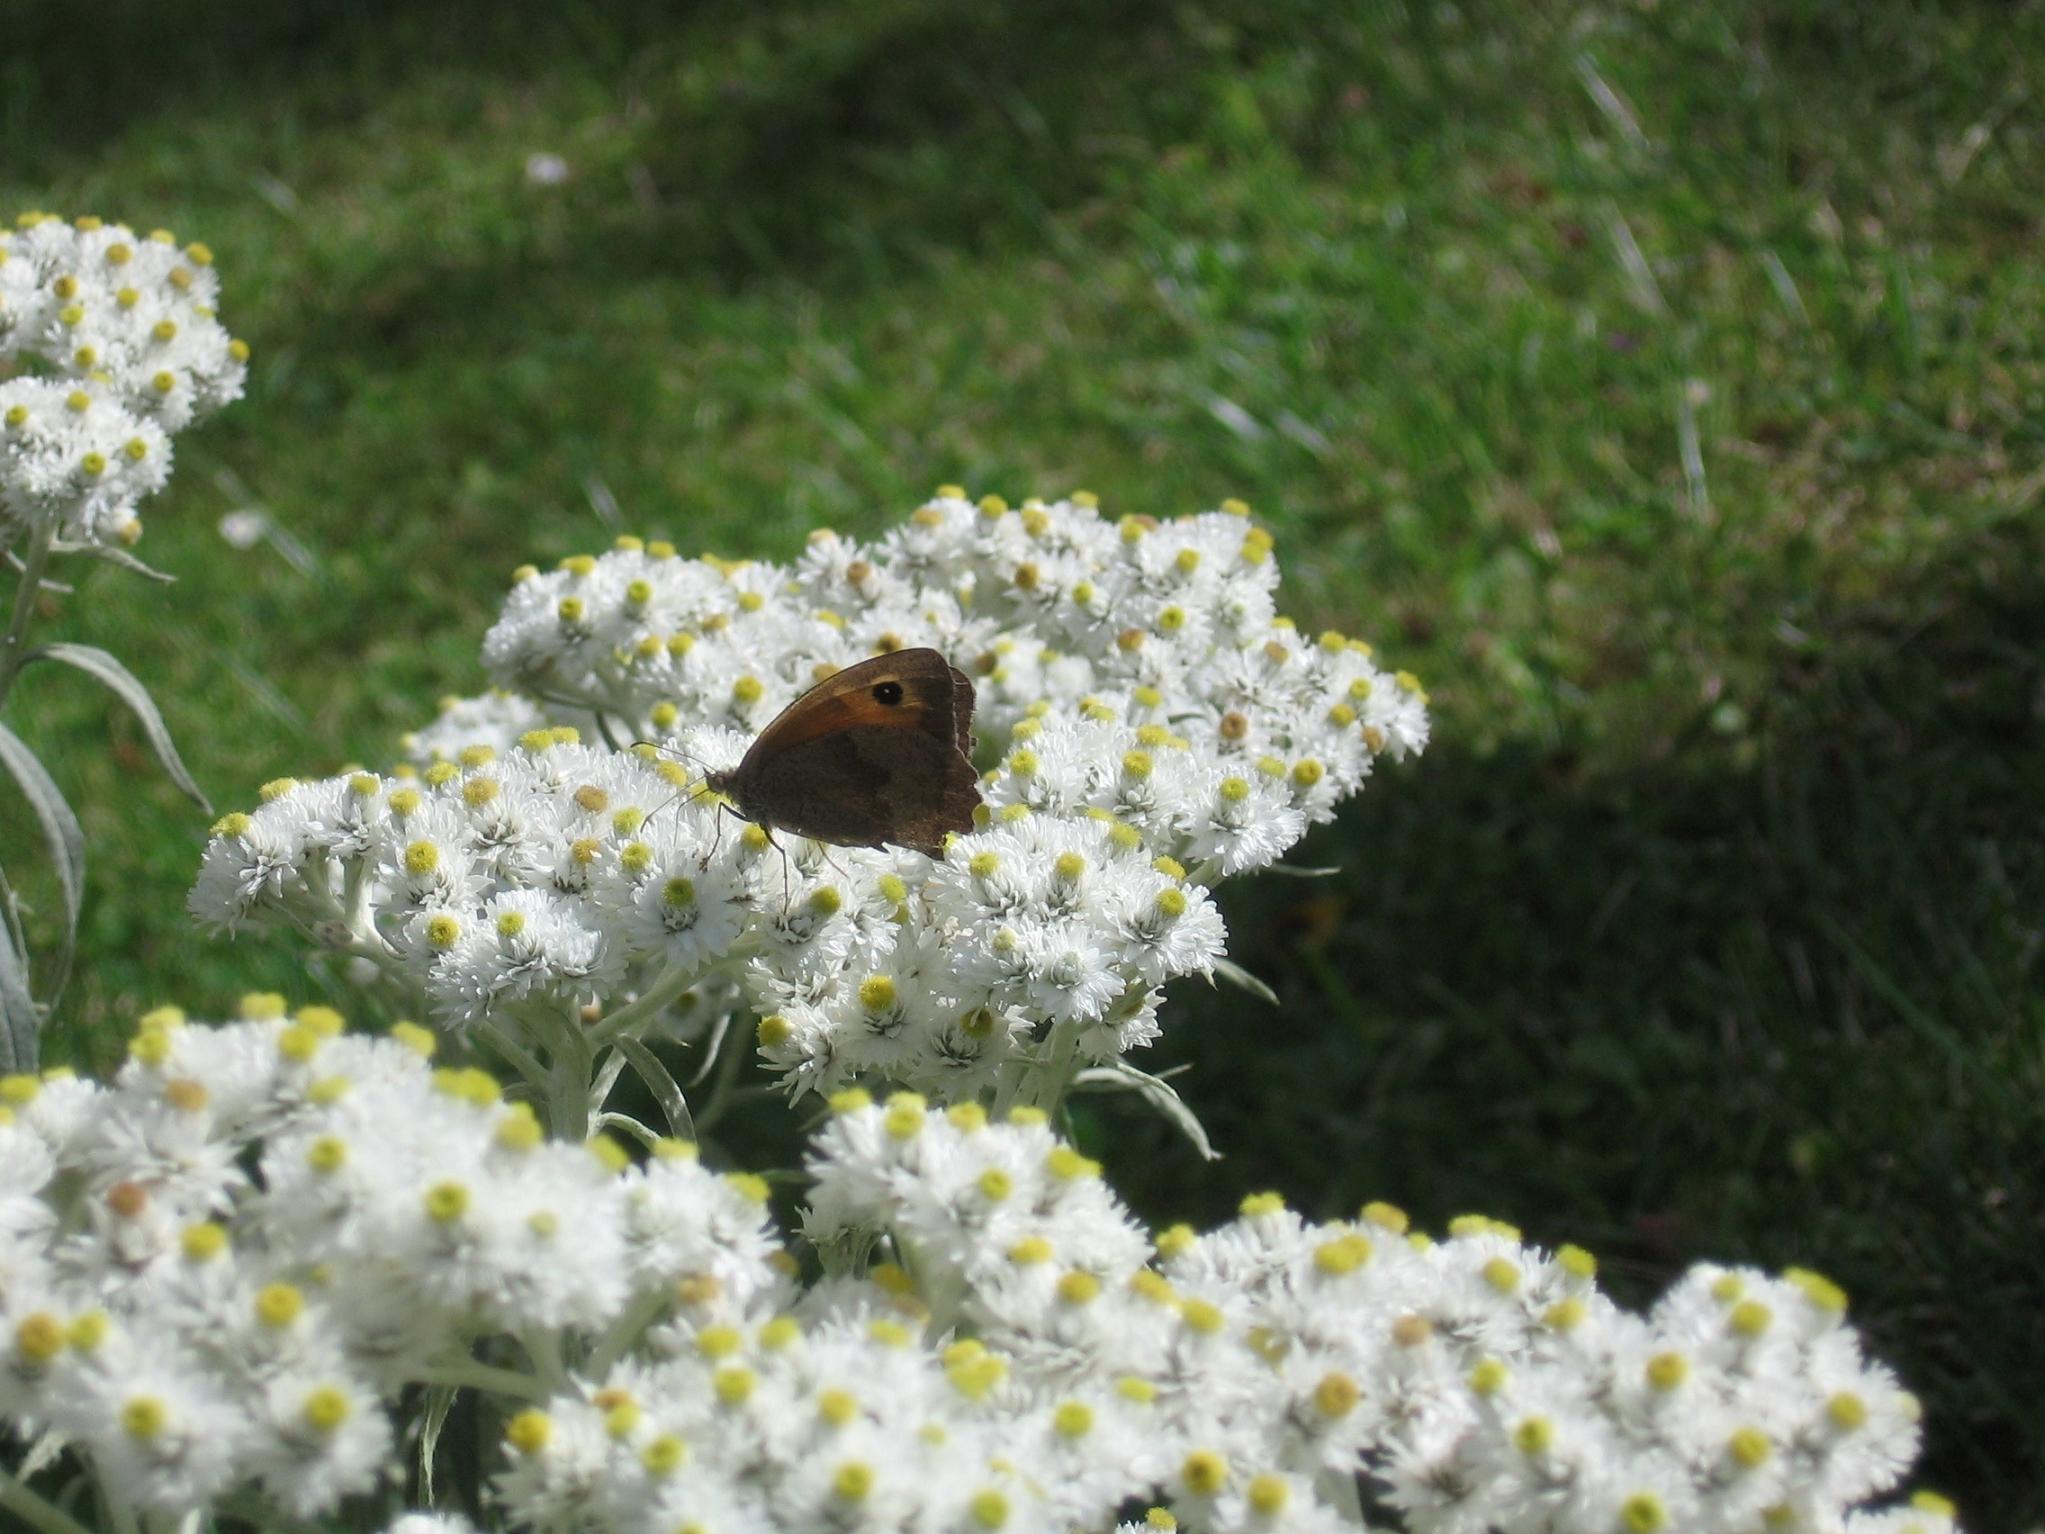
point(1711, 924)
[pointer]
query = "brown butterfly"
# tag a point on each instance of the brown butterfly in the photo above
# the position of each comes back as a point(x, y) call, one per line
point(879, 752)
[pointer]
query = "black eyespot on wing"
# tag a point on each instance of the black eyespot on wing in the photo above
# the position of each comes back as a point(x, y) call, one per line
point(889, 693)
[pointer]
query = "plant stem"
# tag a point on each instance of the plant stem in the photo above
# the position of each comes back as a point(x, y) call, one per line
point(121, 1513)
point(515, 1054)
point(544, 1348)
point(1052, 1077)
point(671, 983)
point(1339, 1488)
point(11, 648)
point(1009, 1086)
point(31, 1509)
point(568, 1099)
point(942, 1294)
point(737, 1048)
point(624, 1331)
point(571, 1063)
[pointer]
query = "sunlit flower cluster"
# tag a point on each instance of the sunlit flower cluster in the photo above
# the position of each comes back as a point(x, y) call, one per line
point(221, 1275)
point(119, 346)
point(1476, 1382)
point(1147, 725)
point(1219, 730)
point(511, 890)
point(220, 1271)
point(498, 719)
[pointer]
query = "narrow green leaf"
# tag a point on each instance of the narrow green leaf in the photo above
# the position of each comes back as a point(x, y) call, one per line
point(710, 1049)
point(65, 837)
point(114, 556)
point(97, 663)
point(1242, 979)
point(19, 1022)
point(439, 1401)
point(646, 1064)
point(1121, 1076)
point(645, 1134)
point(10, 909)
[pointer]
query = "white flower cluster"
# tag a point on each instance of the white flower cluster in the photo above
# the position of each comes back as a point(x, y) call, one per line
point(1219, 730)
point(219, 1273)
point(123, 348)
point(543, 878)
point(220, 1276)
point(1153, 727)
point(1251, 1375)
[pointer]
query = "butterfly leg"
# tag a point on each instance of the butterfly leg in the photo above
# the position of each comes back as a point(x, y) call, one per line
point(787, 876)
point(717, 837)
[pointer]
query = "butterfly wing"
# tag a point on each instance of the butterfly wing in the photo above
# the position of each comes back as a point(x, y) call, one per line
point(909, 690)
point(865, 785)
point(880, 752)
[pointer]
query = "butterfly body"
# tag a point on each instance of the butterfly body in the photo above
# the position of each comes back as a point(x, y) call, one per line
point(879, 752)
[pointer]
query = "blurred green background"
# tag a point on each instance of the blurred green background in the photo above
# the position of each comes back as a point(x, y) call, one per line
point(1665, 383)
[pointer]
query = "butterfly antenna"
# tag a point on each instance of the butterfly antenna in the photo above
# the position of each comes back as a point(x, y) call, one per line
point(669, 748)
point(695, 763)
point(692, 792)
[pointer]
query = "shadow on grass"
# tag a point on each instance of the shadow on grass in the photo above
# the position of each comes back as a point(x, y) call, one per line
point(821, 135)
point(840, 158)
point(266, 55)
point(1773, 1004)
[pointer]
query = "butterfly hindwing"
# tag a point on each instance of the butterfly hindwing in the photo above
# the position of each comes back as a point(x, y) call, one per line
point(865, 785)
point(879, 752)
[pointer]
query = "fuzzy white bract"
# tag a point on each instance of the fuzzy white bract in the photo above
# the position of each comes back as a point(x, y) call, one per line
point(1148, 726)
point(224, 1275)
point(122, 345)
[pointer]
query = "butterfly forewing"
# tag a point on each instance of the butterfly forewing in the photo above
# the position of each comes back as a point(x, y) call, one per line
point(909, 690)
point(880, 752)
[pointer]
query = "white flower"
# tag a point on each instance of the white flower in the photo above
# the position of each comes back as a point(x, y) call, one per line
point(323, 1439)
point(164, 1437)
point(74, 460)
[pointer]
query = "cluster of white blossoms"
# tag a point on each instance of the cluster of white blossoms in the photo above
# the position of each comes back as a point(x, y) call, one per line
point(1276, 1373)
point(1220, 730)
point(1148, 726)
point(118, 345)
point(218, 1275)
point(223, 1277)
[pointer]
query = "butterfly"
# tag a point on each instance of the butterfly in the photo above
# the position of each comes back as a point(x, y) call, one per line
point(879, 752)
